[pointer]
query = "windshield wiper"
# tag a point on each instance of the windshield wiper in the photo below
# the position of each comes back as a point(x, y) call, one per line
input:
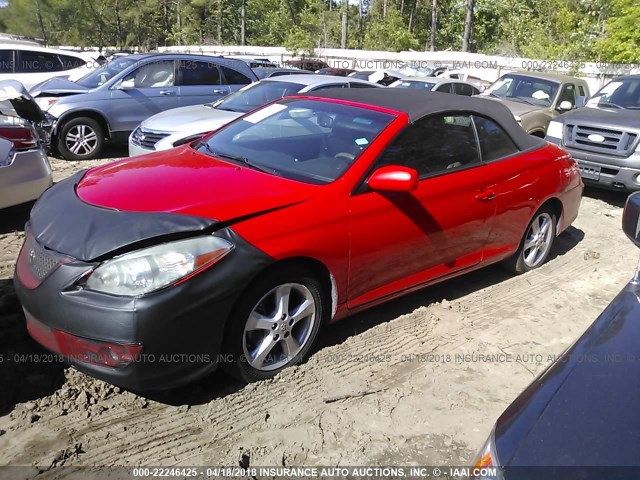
point(523, 100)
point(240, 159)
point(609, 104)
point(227, 109)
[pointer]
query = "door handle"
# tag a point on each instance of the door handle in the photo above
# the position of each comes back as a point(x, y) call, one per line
point(167, 92)
point(486, 196)
point(218, 91)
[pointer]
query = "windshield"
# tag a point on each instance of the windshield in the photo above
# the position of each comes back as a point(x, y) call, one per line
point(415, 84)
point(105, 72)
point(618, 94)
point(524, 89)
point(306, 140)
point(256, 95)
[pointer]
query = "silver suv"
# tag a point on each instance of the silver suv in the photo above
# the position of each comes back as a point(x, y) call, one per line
point(604, 137)
point(108, 103)
point(536, 98)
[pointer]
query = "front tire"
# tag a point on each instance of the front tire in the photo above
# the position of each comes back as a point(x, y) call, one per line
point(81, 138)
point(536, 242)
point(274, 325)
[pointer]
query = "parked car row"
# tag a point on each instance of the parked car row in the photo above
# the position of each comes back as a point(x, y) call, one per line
point(82, 116)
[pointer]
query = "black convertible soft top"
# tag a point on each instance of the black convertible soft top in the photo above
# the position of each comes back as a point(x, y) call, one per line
point(418, 104)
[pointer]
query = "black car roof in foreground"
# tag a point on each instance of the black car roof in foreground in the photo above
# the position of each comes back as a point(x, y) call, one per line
point(418, 104)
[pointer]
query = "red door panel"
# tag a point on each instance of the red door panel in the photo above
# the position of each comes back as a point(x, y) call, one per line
point(399, 240)
point(521, 185)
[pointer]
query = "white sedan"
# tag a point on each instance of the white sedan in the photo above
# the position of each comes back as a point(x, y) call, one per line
point(178, 126)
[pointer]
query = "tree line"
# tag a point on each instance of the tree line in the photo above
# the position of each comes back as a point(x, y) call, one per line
point(585, 30)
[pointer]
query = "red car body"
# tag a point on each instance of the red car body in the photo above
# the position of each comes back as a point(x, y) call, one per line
point(368, 256)
point(368, 246)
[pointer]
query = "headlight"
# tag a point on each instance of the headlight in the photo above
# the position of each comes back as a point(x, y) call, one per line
point(486, 464)
point(135, 135)
point(555, 130)
point(153, 268)
point(45, 103)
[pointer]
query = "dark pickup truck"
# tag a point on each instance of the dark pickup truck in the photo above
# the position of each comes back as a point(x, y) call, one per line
point(604, 136)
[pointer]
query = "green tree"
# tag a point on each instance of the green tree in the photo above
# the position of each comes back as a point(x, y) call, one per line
point(387, 31)
point(621, 43)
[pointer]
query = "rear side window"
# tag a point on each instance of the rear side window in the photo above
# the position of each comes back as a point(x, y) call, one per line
point(199, 73)
point(495, 143)
point(422, 148)
point(69, 63)
point(444, 88)
point(327, 87)
point(581, 90)
point(37, 62)
point(234, 77)
point(6, 61)
point(463, 89)
point(359, 85)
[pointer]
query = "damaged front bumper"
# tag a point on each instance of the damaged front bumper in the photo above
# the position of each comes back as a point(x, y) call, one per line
point(46, 129)
point(146, 342)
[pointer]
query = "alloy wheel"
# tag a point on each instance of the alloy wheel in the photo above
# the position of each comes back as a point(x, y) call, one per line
point(538, 240)
point(279, 326)
point(81, 139)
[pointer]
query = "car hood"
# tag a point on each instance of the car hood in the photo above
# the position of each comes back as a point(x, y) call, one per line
point(517, 108)
point(583, 411)
point(193, 119)
point(14, 98)
point(57, 86)
point(604, 117)
point(187, 182)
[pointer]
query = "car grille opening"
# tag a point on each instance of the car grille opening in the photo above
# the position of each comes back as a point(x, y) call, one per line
point(600, 140)
point(35, 262)
point(147, 138)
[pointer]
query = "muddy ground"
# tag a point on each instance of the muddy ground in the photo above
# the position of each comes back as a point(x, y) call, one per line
point(433, 399)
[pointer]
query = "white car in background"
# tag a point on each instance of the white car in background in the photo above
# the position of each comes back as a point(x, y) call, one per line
point(31, 64)
point(435, 84)
point(178, 126)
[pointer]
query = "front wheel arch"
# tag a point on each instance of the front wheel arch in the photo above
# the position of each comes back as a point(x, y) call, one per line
point(97, 116)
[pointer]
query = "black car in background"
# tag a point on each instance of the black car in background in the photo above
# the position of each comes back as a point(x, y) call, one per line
point(580, 419)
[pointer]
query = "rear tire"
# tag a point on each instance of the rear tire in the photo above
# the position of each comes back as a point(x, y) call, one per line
point(81, 138)
point(274, 324)
point(536, 242)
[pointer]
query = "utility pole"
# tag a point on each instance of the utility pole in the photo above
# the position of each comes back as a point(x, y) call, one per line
point(345, 24)
point(468, 27)
point(343, 44)
point(434, 24)
point(243, 23)
point(41, 22)
point(360, 25)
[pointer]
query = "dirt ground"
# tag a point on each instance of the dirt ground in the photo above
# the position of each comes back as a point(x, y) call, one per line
point(407, 383)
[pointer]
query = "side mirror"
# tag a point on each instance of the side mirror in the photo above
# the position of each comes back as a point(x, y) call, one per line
point(631, 218)
point(581, 101)
point(126, 84)
point(565, 106)
point(393, 178)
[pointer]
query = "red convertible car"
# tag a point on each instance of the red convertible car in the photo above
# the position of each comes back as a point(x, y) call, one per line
point(234, 250)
